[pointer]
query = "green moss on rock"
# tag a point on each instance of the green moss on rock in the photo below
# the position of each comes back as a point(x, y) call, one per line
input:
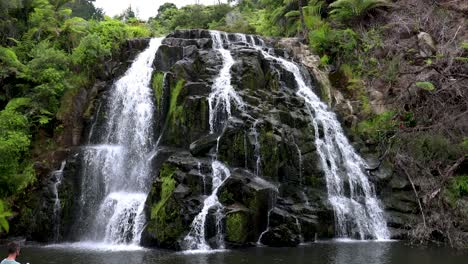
point(270, 154)
point(175, 110)
point(157, 83)
point(226, 197)
point(166, 222)
point(237, 227)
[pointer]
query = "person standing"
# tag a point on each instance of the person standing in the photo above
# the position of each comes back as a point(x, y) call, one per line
point(13, 253)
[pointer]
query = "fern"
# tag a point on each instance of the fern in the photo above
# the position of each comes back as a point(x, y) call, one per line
point(346, 10)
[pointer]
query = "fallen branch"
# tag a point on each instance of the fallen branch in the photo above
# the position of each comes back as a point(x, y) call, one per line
point(414, 189)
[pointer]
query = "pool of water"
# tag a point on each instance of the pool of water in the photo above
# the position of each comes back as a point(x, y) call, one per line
point(326, 252)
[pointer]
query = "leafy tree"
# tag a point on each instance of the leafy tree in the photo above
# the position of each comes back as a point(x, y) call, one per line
point(90, 52)
point(15, 171)
point(127, 14)
point(164, 7)
point(46, 19)
point(86, 10)
point(47, 70)
point(72, 31)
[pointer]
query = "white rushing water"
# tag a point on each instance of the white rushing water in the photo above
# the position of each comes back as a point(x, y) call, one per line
point(220, 101)
point(196, 238)
point(57, 177)
point(222, 93)
point(116, 171)
point(357, 210)
point(257, 155)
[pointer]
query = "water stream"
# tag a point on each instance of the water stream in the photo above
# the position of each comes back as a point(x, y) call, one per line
point(357, 214)
point(115, 167)
point(220, 99)
point(57, 177)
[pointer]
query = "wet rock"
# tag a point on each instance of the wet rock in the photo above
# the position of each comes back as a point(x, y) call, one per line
point(203, 145)
point(238, 225)
point(283, 230)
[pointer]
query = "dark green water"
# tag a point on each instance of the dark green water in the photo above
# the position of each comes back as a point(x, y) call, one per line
point(322, 253)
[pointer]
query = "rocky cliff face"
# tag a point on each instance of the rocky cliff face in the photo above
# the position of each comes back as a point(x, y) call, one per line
point(276, 193)
point(267, 145)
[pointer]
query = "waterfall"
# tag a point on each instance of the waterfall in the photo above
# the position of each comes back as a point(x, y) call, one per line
point(57, 177)
point(195, 240)
point(115, 169)
point(220, 99)
point(357, 209)
point(272, 206)
point(222, 92)
point(257, 155)
point(301, 177)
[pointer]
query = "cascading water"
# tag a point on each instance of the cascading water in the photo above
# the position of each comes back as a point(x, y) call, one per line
point(301, 177)
point(272, 206)
point(57, 177)
point(195, 240)
point(116, 172)
point(257, 155)
point(358, 214)
point(222, 93)
point(220, 99)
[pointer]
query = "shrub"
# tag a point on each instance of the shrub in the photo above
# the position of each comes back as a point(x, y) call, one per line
point(90, 52)
point(378, 127)
point(347, 10)
point(15, 170)
point(4, 213)
point(335, 43)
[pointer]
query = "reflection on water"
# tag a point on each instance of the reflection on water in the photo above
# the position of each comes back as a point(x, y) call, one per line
point(359, 252)
point(326, 252)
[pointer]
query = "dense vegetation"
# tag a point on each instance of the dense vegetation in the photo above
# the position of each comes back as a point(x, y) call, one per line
point(50, 48)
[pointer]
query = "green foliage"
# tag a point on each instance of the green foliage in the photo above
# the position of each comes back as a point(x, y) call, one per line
point(175, 110)
point(460, 186)
point(379, 127)
point(190, 16)
point(47, 55)
point(47, 69)
point(15, 170)
point(428, 86)
point(348, 10)
point(237, 227)
point(457, 189)
point(234, 22)
point(85, 9)
point(90, 53)
point(73, 30)
point(112, 32)
point(332, 42)
point(4, 213)
point(157, 82)
point(9, 63)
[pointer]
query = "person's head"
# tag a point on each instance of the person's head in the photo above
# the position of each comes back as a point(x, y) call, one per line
point(13, 249)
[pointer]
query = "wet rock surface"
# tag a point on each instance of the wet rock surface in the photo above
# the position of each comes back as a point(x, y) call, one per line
point(276, 194)
point(260, 144)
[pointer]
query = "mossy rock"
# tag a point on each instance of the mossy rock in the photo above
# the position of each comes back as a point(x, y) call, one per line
point(238, 226)
point(270, 154)
point(165, 223)
point(157, 83)
point(187, 118)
